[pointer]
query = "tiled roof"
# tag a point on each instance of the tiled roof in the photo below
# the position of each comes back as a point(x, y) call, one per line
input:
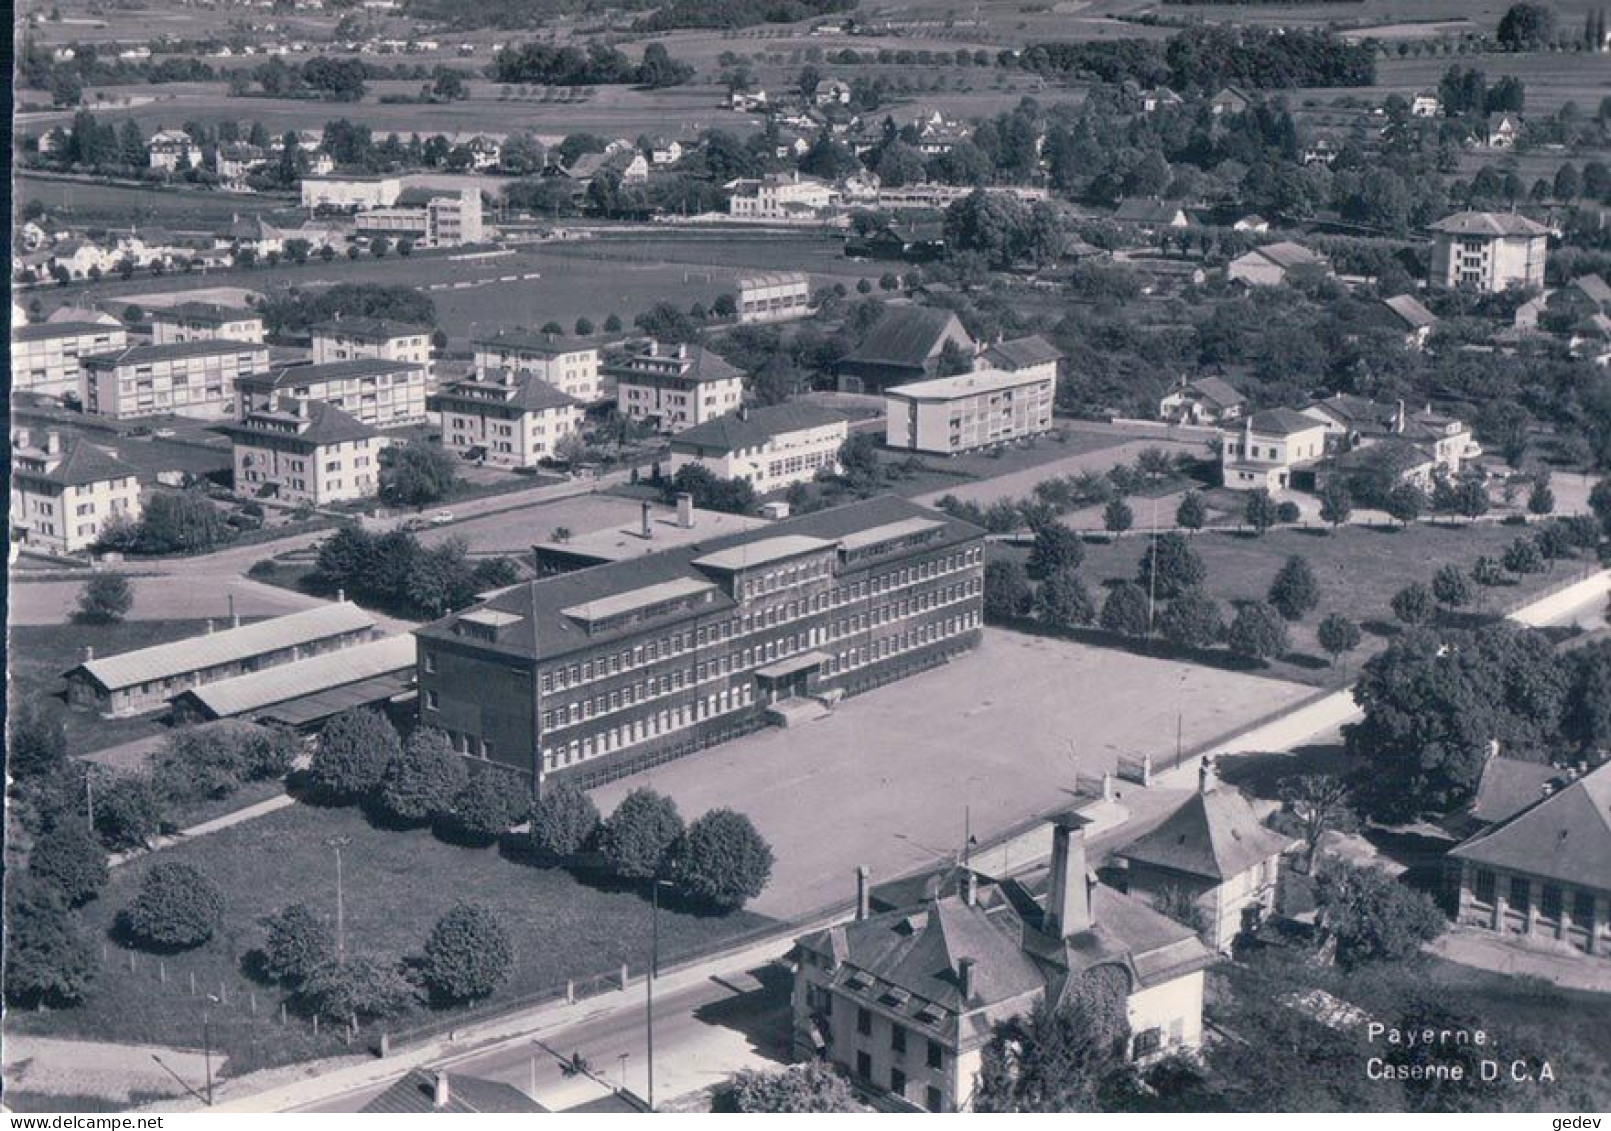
point(163, 661)
point(298, 374)
point(524, 392)
point(1411, 310)
point(369, 329)
point(532, 341)
point(1287, 255)
point(1021, 353)
point(148, 354)
point(545, 629)
point(1214, 835)
point(1508, 786)
point(415, 1094)
point(737, 431)
point(1142, 211)
point(1564, 837)
point(1595, 288)
point(318, 424)
point(243, 694)
point(81, 463)
point(1282, 422)
point(48, 331)
point(1489, 224)
point(1217, 390)
point(905, 336)
point(700, 364)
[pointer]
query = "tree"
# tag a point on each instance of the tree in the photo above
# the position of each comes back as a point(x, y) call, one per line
point(296, 942)
point(1007, 592)
point(1522, 557)
point(1321, 803)
point(177, 908)
point(181, 522)
point(1191, 620)
point(485, 808)
point(1336, 502)
point(1170, 566)
point(1450, 587)
point(1125, 612)
point(1055, 548)
point(1257, 632)
point(1471, 499)
point(468, 954)
point(722, 860)
point(1586, 718)
point(1541, 499)
point(1487, 571)
point(441, 578)
point(1525, 26)
point(420, 474)
point(1406, 503)
point(1260, 511)
point(353, 754)
point(1337, 635)
point(1372, 917)
point(1059, 1058)
point(425, 780)
point(69, 858)
point(105, 598)
point(637, 839)
point(1063, 601)
point(1117, 517)
point(129, 810)
point(563, 820)
point(1600, 504)
point(813, 1087)
point(359, 987)
point(49, 962)
point(1413, 604)
point(1192, 513)
point(1295, 592)
point(37, 735)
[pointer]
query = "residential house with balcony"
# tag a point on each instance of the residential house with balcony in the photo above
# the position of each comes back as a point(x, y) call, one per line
point(64, 493)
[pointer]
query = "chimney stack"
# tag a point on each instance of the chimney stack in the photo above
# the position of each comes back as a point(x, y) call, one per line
point(965, 978)
point(21, 438)
point(970, 887)
point(444, 1093)
point(685, 510)
point(1207, 779)
point(209, 626)
point(648, 524)
point(53, 441)
point(1068, 904)
point(341, 596)
point(89, 652)
point(863, 892)
point(234, 617)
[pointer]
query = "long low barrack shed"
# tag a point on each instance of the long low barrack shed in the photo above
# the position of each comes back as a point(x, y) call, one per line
point(305, 694)
point(147, 679)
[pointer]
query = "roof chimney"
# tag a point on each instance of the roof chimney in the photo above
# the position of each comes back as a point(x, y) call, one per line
point(965, 978)
point(970, 887)
point(341, 596)
point(234, 617)
point(89, 652)
point(444, 1092)
point(648, 527)
point(863, 891)
point(53, 441)
point(1068, 905)
point(22, 438)
point(209, 626)
point(1207, 779)
point(685, 510)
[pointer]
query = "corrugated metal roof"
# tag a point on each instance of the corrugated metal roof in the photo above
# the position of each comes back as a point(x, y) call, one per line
point(229, 698)
point(164, 661)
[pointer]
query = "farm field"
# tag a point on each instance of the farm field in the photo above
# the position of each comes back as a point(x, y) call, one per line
point(1552, 80)
point(99, 205)
point(561, 927)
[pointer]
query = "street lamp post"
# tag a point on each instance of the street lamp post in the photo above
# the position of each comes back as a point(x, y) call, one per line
point(207, 1044)
point(338, 843)
point(654, 971)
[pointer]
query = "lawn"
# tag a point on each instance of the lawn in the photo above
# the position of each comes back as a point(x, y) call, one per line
point(41, 653)
point(1358, 568)
point(398, 884)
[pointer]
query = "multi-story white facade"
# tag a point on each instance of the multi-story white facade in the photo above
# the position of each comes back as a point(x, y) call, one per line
point(968, 411)
point(347, 339)
point(506, 417)
point(676, 387)
point(380, 394)
point(302, 451)
point(1488, 251)
point(770, 447)
point(350, 191)
point(1268, 447)
point(186, 378)
point(64, 493)
point(780, 197)
point(570, 365)
point(45, 356)
point(204, 322)
point(429, 217)
point(173, 151)
point(774, 297)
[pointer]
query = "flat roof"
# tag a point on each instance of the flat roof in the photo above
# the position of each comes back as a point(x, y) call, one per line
point(966, 384)
point(163, 661)
point(890, 531)
point(230, 698)
point(747, 555)
point(633, 599)
point(619, 541)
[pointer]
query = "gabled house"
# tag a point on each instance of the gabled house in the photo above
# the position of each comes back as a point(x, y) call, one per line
point(1215, 852)
point(1032, 355)
point(1151, 215)
point(906, 1000)
point(675, 387)
point(1206, 400)
point(304, 451)
point(1501, 131)
point(903, 346)
point(1271, 449)
point(1276, 263)
point(173, 151)
point(770, 447)
point(1408, 313)
point(426, 1092)
point(506, 417)
point(1229, 100)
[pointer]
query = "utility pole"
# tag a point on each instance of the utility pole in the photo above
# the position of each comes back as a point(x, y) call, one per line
point(207, 1044)
point(1152, 572)
point(654, 972)
point(338, 843)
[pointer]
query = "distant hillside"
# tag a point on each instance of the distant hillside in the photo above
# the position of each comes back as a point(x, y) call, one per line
point(737, 13)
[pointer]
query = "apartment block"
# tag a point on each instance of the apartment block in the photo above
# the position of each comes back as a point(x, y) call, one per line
point(506, 418)
point(185, 378)
point(379, 393)
point(675, 387)
point(969, 411)
point(1488, 251)
point(204, 322)
point(45, 356)
point(302, 451)
point(65, 492)
point(569, 364)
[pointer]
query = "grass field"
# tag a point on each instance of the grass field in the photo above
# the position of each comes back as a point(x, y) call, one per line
point(1359, 569)
point(399, 884)
point(90, 204)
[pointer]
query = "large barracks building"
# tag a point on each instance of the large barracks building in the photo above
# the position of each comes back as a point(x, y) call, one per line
point(605, 671)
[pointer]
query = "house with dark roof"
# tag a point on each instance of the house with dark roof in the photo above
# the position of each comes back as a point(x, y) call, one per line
point(570, 364)
point(375, 391)
point(599, 672)
point(1356, 423)
point(1543, 873)
point(674, 387)
point(770, 447)
point(1488, 251)
point(1028, 355)
point(425, 1091)
point(349, 339)
point(1215, 852)
point(1507, 786)
point(506, 417)
point(1229, 100)
point(1206, 400)
point(65, 492)
point(1151, 215)
point(1592, 290)
point(905, 1000)
point(1409, 314)
point(1276, 263)
point(1275, 449)
point(304, 451)
point(918, 241)
point(903, 346)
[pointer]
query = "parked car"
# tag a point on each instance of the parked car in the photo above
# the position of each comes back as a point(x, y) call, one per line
point(441, 518)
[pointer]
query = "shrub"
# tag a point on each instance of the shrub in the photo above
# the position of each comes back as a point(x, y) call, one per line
point(563, 820)
point(722, 860)
point(69, 858)
point(638, 837)
point(425, 781)
point(296, 943)
point(105, 598)
point(468, 954)
point(1125, 611)
point(813, 1087)
point(49, 962)
point(485, 808)
point(37, 738)
point(1191, 620)
point(1295, 591)
point(1258, 632)
point(177, 908)
point(358, 987)
point(354, 751)
point(216, 759)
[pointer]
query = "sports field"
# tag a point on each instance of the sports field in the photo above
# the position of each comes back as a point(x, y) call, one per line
point(884, 781)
